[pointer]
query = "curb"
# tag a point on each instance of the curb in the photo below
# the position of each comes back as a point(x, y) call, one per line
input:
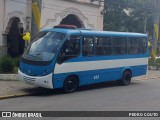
point(14, 96)
point(146, 78)
point(8, 76)
point(8, 80)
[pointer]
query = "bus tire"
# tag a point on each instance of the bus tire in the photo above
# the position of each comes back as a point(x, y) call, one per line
point(70, 84)
point(126, 78)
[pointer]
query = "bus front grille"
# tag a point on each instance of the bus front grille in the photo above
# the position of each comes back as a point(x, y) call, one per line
point(28, 78)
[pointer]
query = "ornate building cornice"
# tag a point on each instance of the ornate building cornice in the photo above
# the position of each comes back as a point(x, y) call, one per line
point(86, 2)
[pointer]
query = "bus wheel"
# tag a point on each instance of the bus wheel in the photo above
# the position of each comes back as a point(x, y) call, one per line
point(126, 78)
point(70, 84)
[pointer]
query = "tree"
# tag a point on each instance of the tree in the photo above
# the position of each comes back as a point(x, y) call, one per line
point(128, 15)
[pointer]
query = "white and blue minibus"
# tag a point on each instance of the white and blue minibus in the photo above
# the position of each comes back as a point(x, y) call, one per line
point(69, 58)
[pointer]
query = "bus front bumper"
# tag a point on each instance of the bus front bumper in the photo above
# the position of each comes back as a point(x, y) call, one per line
point(42, 81)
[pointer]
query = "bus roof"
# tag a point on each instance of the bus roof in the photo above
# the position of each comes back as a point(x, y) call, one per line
point(96, 33)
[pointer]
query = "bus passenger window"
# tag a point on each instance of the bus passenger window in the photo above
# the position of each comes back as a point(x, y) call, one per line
point(103, 46)
point(134, 45)
point(143, 45)
point(71, 48)
point(88, 46)
point(119, 46)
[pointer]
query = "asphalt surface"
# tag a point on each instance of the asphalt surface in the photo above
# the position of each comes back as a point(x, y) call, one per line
point(10, 87)
point(139, 96)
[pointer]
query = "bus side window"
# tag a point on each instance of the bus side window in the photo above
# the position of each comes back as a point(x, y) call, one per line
point(119, 45)
point(103, 46)
point(134, 45)
point(143, 44)
point(88, 46)
point(70, 48)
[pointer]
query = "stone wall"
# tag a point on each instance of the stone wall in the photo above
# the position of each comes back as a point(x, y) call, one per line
point(53, 12)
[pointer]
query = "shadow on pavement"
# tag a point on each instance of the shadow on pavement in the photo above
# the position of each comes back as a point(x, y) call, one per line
point(38, 91)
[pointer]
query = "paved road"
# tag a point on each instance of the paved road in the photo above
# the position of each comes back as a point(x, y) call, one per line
point(139, 96)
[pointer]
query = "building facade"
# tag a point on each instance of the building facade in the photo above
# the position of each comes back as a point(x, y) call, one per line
point(37, 15)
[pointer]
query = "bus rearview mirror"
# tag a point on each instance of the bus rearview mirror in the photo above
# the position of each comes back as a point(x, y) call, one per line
point(60, 59)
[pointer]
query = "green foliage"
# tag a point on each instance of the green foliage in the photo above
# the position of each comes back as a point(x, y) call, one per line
point(16, 61)
point(158, 61)
point(153, 62)
point(6, 64)
point(9, 64)
point(128, 16)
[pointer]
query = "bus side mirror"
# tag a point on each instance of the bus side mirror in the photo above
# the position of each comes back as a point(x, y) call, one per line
point(60, 59)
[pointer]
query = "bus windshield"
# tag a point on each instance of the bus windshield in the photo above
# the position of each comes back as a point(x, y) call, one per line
point(44, 46)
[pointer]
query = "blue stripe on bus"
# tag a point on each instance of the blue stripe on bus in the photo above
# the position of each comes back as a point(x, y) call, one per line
point(87, 77)
point(99, 58)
